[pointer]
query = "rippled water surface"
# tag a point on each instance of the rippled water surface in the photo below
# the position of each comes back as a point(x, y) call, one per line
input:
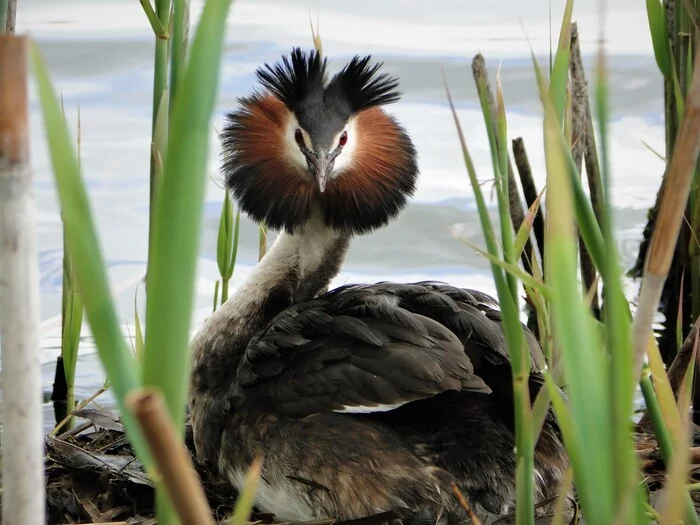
point(100, 57)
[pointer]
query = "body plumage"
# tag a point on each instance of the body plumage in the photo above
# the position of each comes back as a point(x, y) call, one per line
point(366, 398)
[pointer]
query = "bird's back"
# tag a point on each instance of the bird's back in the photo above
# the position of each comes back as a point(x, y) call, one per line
point(422, 365)
point(412, 340)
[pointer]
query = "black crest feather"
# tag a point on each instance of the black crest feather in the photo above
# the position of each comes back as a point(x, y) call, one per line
point(360, 83)
point(295, 78)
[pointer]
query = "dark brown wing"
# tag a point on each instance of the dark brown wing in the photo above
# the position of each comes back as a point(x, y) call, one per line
point(474, 317)
point(354, 349)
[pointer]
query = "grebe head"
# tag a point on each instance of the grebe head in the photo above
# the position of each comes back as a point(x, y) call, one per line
point(307, 144)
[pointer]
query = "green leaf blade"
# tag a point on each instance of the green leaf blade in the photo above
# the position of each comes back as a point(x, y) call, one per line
point(659, 36)
point(178, 215)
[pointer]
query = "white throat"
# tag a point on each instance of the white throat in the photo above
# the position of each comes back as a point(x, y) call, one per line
point(292, 259)
point(304, 250)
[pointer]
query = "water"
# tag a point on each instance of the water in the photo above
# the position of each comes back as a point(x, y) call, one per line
point(100, 58)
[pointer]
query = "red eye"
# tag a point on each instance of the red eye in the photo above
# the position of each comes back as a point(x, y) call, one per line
point(343, 138)
point(299, 137)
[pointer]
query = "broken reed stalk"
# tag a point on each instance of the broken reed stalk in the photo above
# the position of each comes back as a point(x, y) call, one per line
point(11, 17)
point(668, 223)
point(517, 215)
point(677, 370)
point(680, 363)
point(530, 192)
point(580, 107)
point(174, 464)
point(590, 149)
point(23, 495)
point(8, 13)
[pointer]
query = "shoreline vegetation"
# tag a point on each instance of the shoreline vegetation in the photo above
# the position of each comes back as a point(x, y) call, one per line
point(552, 254)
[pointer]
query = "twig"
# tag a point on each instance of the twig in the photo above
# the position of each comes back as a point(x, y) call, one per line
point(173, 462)
point(110, 523)
point(22, 444)
point(80, 406)
point(465, 505)
point(579, 141)
point(517, 214)
point(673, 205)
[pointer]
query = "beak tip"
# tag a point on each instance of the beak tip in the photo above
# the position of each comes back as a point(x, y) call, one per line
point(321, 167)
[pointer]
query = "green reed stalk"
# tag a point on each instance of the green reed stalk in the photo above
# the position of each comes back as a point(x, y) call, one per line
point(507, 238)
point(178, 51)
point(72, 320)
point(559, 77)
point(71, 314)
point(227, 244)
point(574, 332)
point(597, 415)
point(519, 354)
point(617, 319)
point(177, 217)
point(617, 322)
point(159, 18)
point(70, 340)
point(139, 344)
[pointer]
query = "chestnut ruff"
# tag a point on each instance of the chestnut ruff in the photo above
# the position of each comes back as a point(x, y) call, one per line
point(364, 196)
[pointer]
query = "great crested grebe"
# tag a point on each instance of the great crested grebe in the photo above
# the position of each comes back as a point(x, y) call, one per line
point(367, 398)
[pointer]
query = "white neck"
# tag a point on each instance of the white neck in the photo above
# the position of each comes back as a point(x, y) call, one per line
point(302, 254)
point(296, 268)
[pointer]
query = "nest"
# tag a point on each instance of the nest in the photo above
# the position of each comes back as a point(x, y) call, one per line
point(92, 476)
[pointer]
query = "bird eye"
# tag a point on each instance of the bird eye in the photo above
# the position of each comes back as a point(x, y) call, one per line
point(343, 138)
point(299, 137)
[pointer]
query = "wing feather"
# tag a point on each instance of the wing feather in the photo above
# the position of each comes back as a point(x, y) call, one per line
point(364, 348)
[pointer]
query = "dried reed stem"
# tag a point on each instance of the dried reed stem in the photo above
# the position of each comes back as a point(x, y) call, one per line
point(673, 205)
point(173, 462)
point(262, 241)
point(23, 494)
point(530, 192)
point(11, 17)
point(579, 96)
point(517, 215)
point(581, 127)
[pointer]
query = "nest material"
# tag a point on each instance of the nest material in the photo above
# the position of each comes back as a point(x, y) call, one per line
point(92, 476)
